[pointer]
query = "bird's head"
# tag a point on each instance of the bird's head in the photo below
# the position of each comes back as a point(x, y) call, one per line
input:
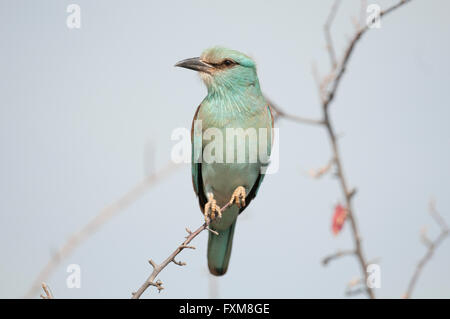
point(221, 68)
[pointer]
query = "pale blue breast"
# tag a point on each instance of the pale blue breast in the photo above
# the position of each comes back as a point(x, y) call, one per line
point(223, 178)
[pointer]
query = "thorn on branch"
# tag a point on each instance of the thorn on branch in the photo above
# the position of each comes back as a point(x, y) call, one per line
point(158, 284)
point(212, 231)
point(186, 246)
point(352, 193)
point(179, 263)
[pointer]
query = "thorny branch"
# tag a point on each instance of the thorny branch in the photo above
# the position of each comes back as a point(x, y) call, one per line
point(158, 268)
point(431, 248)
point(328, 88)
point(92, 226)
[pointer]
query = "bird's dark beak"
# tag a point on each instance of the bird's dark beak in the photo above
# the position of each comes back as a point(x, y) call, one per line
point(195, 64)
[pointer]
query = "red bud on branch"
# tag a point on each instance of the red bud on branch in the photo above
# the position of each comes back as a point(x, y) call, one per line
point(339, 216)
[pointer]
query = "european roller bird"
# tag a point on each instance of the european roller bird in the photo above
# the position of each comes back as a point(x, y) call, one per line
point(234, 101)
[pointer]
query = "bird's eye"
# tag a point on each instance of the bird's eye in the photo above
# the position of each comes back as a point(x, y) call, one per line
point(228, 62)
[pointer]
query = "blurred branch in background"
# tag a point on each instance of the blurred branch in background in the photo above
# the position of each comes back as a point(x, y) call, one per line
point(158, 268)
point(431, 247)
point(91, 227)
point(328, 87)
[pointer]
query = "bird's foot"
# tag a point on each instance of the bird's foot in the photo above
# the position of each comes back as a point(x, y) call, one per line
point(238, 196)
point(211, 210)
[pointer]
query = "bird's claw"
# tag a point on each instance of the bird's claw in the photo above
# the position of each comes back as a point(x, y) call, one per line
point(212, 210)
point(238, 196)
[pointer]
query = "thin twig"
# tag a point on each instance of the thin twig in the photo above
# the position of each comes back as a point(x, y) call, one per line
point(47, 291)
point(92, 226)
point(328, 38)
point(336, 255)
point(431, 248)
point(158, 268)
point(437, 217)
point(279, 113)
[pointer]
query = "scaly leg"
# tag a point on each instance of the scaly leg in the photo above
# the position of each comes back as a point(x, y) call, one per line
point(211, 208)
point(239, 196)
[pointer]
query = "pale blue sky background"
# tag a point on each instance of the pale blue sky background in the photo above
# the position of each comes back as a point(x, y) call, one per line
point(78, 109)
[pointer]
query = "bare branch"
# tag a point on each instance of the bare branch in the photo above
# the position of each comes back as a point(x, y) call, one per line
point(327, 91)
point(91, 227)
point(158, 268)
point(431, 248)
